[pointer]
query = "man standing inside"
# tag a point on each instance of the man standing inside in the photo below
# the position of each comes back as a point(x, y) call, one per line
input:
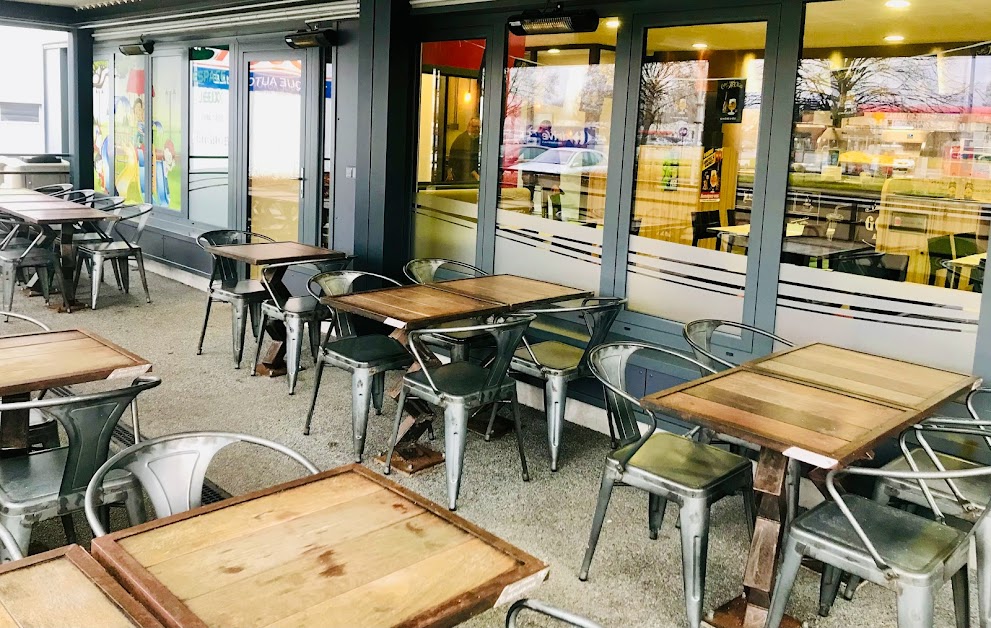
point(465, 150)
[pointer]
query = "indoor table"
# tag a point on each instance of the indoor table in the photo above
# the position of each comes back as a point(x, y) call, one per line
point(42, 360)
point(817, 404)
point(63, 215)
point(262, 253)
point(346, 548)
point(67, 587)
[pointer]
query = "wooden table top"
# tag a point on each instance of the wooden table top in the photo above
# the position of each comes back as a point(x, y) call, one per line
point(28, 197)
point(54, 212)
point(970, 261)
point(819, 404)
point(41, 360)
point(346, 548)
point(66, 587)
point(273, 252)
point(512, 290)
point(6, 191)
point(412, 307)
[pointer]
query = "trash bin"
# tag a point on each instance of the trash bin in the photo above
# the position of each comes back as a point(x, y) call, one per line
point(33, 172)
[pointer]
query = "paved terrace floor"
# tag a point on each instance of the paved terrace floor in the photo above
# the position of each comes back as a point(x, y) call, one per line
point(634, 582)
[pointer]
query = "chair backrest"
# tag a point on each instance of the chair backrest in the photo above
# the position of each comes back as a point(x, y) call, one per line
point(873, 264)
point(106, 203)
point(172, 469)
point(426, 270)
point(224, 268)
point(89, 422)
point(338, 283)
point(699, 335)
point(56, 188)
point(506, 331)
point(947, 247)
point(28, 319)
point(77, 196)
point(608, 363)
point(137, 215)
point(312, 268)
point(598, 313)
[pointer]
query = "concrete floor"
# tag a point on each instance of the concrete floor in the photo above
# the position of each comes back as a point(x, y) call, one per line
point(633, 582)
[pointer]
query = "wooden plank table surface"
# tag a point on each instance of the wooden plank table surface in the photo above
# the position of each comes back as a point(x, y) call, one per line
point(512, 290)
point(818, 404)
point(343, 548)
point(42, 360)
point(7, 191)
point(27, 197)
point(273, 252)
point(66, 587)
point(412, 307)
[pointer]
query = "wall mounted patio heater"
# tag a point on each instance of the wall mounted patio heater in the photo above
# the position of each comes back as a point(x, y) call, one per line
point(312, 38)
point(554, 21)
point(139, 48)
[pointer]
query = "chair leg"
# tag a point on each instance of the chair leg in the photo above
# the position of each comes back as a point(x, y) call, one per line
point(206, 319)
point(492, 418)
point(793, 478)
point(961, 597)
point(378, 391)
point(259, 339)
point(134, 503)
point(828, 588)
point(555, 397)
point(361, 401)
point(455, 441)
point(694, 518)
point(78, 272)
point(294, 347)
point(239, 324)
point(458, 352)
point(916, 606)
point(656, 505)
point(313, 328)
point(140, 260)
point(518, 428)
point(982, 541)
point(20, 529)
point(69, 527)
point(750, 507)
point(95, 280)
point(8, 290)
point(117, 275)
point(46, 285)
point(791, 562)
point(605, 492)
point(395, 429)
point(316, 389)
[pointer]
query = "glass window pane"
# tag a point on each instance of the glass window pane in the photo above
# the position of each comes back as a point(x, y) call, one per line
point(209, 119)
point(166, 91)
point(890, 181)
point(448, 159)
point(553, 160)
point(327, 196)
point(696, 147)
point(102, 150)
point(33, 113)
point(129, 127)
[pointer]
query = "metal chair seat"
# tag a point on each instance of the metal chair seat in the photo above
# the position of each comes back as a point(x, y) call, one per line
point(915, 547)
point(677, 463)
point(455, 380)
point(298, 305)
point(108, 249)
point(30, 485)
point(367, 352)
point(36, 256)
point(975, 489)
point(555, 358)
point(243, 289)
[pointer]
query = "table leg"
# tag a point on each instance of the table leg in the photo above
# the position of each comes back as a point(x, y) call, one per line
point(66, 268)
point(14, 427)
point(750, 611)
point(273, 364)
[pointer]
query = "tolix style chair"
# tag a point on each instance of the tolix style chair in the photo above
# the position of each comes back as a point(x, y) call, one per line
point(540, 608)
point(430, 270)
point(245, 296)
point(558, 363)
point(294, 312)
point(171, 470)
point(699, 336)
point(460, 388)
point(366, 357)
point(668, 467)
point(54, 189)
point(35, 252)
point(898, 550)
point(118, 252)
point(52, 483)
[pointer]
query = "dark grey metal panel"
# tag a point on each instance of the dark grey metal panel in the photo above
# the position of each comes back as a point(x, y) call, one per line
point(346, 88)
point(39, 15)
point(80, 108)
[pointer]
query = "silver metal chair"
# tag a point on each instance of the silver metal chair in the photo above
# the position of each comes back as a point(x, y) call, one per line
point(171, 470)
point(118, 252)
point(460, 388)
point(699, 335)
point(430, 270)
point(558, 363)
point(294, 312)
point(367, 357)
point(76, 196)
point(52, 483)
point(55, 188)
point(37, 255)
point(244, 295)
point(898, 550)
point(43, 428)
point(547, 610)
point(667, 466)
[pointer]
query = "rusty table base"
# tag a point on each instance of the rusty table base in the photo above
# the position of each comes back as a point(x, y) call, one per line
point(735, 614)
point(411, 458)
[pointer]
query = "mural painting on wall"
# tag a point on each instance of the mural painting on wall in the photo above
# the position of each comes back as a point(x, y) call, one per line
point(129, 130)
point(101, 126)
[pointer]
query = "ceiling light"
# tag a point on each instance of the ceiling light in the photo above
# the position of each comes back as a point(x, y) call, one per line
point(897, 4)
point(613, 22)
point(894, 38)
point(553, 51)
point(467, 96)
point(700, 46)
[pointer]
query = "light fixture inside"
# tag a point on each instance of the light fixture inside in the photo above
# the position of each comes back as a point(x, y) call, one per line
point(700, 45)
point(897, 4)
point(613, 22)
point(467, 96)
point(894, 39)
point(553, 51)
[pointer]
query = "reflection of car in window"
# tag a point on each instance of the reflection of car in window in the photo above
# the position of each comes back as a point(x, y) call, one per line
point(547, 168)
point(522, 154)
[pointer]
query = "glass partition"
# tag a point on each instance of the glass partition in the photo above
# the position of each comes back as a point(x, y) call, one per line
point(130, 143)
point(554, 155)
point(166, 132)
point(448, 156)
point(102, 106)
point(209, 130)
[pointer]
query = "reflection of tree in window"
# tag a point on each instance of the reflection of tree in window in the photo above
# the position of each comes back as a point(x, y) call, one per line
point(663, 85)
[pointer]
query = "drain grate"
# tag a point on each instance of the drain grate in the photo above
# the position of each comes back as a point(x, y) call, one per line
point(211, 492)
